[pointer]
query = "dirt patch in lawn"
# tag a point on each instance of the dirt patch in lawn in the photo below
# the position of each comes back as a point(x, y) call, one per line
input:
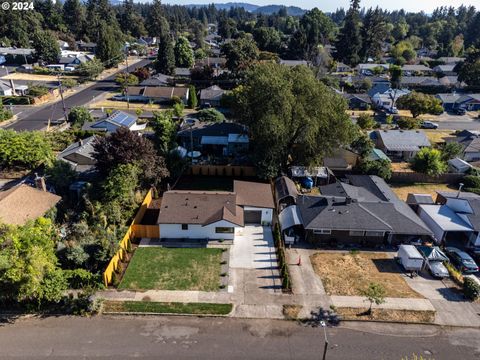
point(402, 190)
point(406, 316)
point(351, 273)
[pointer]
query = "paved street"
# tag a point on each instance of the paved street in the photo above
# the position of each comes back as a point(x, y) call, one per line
point(219, 338)
point(36, 118)
point(457, 122)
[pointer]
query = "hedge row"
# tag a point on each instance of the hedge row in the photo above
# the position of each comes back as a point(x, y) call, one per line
point(282, 261)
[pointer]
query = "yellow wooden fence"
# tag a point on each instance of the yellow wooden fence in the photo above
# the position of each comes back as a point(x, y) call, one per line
point(135, 229)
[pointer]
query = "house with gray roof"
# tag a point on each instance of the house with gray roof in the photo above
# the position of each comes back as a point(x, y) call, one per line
point(470, 142)
point(400, 144)
point(294, 62)
point(447, 69)
point(79, 155)
point(453, 101)
point(454, 219)
point(115, 121)
point(412, 70)
point(211, 96)
point(361, 210)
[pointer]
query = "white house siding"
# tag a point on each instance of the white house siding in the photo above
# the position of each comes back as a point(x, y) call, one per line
point(174, 231)
point(438, 233)
point(267, 214)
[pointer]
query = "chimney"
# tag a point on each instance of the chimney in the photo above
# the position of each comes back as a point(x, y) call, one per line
point(80, 142)
point(12, 85)
point(460, 186)
point(40, 183)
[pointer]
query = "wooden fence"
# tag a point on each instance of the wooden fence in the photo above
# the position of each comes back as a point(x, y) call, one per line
point(223, 170)
point(415, 177)
point(134, 230)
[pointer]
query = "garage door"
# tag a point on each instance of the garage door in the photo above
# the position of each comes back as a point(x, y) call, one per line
point(252, 217)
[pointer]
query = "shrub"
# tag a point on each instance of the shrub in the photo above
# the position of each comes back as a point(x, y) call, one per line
point(81, 278)
point(408, 123)
point(471, 181)
point(471, 289)
point(454, 273)
point(366, 121)
point(210, 115)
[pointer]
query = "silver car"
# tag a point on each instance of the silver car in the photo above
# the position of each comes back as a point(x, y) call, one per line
point(437, 269)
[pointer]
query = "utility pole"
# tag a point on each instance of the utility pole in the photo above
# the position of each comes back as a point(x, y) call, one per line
point(126, 78)
point(63, 100)
point(325, 348)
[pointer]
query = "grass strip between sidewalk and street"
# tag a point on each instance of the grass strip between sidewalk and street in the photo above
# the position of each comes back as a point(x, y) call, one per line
point(166, 307)
point(387, 315)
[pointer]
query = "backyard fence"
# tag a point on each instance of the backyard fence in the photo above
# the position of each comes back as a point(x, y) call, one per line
point(134, 230)
point(415, 177)
point(223, 170)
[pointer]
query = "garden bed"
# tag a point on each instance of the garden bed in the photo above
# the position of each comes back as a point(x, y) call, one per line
point(388, 315)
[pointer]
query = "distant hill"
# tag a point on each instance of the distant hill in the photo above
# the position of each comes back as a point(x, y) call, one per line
point(267, 10)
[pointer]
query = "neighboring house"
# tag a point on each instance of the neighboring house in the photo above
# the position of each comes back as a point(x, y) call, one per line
point(63, 45)
point(80, 155)
point(368, 69)
point(157, 80)
point(413, 70)
point(86, 46)
point(388, 99)
point(458, 166)
point(364, 211)
point(470, 142)
point(215, 62)
point(400, 144)
point(155, 94)
point(11, 89)
point(377, 154)
point(23, 202)
point(294, 62)
point(211, 96)
point(447, 70)
point(450, 102)
point(212, 215)
point(147, 40)
point(70, 63)
point(223, 139)
point(413, 82)
point(115, 121)
point(182, 72)
point(455, 219)
point(358, 101)
point(341, 160)
point(286, 192)
point(450, 59)
point(341, 68)
point(414, 200)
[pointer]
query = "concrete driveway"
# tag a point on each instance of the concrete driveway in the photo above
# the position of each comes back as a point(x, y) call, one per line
point(253, 262)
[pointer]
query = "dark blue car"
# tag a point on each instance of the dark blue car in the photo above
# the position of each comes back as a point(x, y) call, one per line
point(461, 260)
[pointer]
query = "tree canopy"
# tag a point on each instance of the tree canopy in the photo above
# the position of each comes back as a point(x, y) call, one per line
point(183, 53)
point(419, 103)
point(291, 115)
point(429, 161)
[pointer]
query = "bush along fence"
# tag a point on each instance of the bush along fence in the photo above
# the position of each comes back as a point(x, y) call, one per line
point(282, 259)
point(125, 245)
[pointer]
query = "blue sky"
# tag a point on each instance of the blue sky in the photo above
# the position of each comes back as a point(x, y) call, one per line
point(329, 5)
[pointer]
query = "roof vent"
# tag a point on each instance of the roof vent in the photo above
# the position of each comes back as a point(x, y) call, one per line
point(195, 207)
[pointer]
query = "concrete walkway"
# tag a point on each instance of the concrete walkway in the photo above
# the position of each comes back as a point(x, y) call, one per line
point(390, 303)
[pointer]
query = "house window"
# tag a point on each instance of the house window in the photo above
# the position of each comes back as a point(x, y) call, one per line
point(224, 230)
point(184, 226)
point(374, 233)
point(322, 232)
point(357, 232)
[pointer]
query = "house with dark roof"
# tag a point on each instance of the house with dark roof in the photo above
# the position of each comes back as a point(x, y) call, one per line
point(414, 70)
point(286, 192)
point(157, 94)
point(363, 210)
point(358, 101)
point(448, 69)
point(222, 139)
point(211, 96)
point(79, 155)
point(22, 203)
point(114, 121)
point(400, 144)
point(454, 219)
point(469, 102)
point(470, 142)
point(292, 63)
point(215, 215)
point(157, 80)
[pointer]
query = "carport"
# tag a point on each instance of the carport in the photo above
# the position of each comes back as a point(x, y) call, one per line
point(443, 221)
point(289, 219)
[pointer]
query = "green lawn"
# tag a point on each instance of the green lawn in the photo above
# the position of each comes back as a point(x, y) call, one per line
point(173, 269)
point(169, 308)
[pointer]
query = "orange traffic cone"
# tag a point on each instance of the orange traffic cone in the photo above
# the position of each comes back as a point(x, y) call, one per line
point(299, 263)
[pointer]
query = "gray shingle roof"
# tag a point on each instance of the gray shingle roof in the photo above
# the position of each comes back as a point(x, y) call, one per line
point(402, 140)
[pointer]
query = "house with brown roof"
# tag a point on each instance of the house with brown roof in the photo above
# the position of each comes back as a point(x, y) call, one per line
point(23, 202)
point(214, 214)
point(157, 94)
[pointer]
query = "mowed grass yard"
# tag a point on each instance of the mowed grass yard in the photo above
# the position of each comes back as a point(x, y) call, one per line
point(351, 273)
point(402, 190)
point(173, 269)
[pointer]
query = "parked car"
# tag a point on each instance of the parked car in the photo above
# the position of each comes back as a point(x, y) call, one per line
point(392, 110)
point(460, 111)
point(429, 125)
point(434, 259)
point(461, 260)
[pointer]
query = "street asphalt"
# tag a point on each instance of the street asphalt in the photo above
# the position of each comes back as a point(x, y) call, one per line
point(37, 118)
point(226, 338)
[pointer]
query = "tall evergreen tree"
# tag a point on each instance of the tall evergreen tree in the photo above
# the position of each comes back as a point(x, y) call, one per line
point(156, 22)
point(46, 47)
point(349, 41)
point(109, 48)
point(74, 17)
point(165, 63)
point(373, 33)
point(183, 53)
